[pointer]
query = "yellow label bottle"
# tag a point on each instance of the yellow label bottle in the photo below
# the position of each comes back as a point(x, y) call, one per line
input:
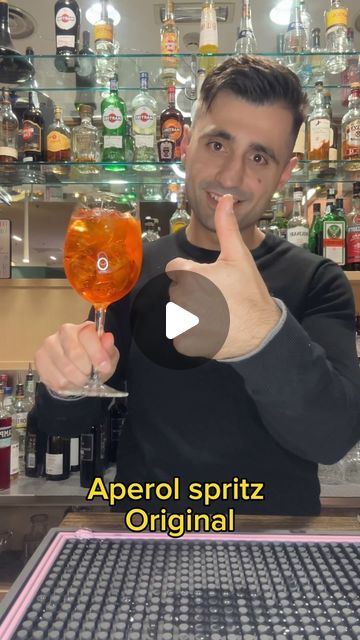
point(209, 41)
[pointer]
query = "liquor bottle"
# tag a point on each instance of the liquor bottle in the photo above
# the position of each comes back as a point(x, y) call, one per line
point(166, 148)
point(5, 444)
point(104, 46)
point(58, 139)
point(172, 121)
point(57, 458)
point(336, 22)
point(29, 387)
point(85, 74)
point(92, 455)
point(118, 411)
point(67, 33)
point(306, 20)
point(113, 113)
point(295, 40)
point(8, 399)
point(169, 45)
point(318, 57)
point(143, 109)
point(180, 218)
point(129, 143)
point(19, 420)
point(351, 73)
point(279, 220)
point(85, 142)
point(200, 77)
point(15, 452)
point(35, 447)
point(14, 67)
point(75, 454)
point(350, 131)
point(209, 40)
point(318, 129)
point(334, 137)
point(316, 230)
point(334, 233)
point(298, 228)
point(33, 133)
point(353, 232)
point(9, 130)
point(299, 147)
point(150, 232)
point(246, 41)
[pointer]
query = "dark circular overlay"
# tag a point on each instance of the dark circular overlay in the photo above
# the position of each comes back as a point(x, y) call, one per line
point(195, 294)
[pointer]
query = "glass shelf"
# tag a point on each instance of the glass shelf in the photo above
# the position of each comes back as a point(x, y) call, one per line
point(140, 173)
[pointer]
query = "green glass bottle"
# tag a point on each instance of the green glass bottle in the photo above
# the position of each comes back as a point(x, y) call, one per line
point(316, 229)
point(334, 233)
point(113, 114)
point(279, 220)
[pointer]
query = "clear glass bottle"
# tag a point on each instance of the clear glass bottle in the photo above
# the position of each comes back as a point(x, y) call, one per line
point(104, 46)
point(9, 130)
point(334, 233)
point(279, 220)
point(209, 39)
point(295, 40)
point(85, 74)
point(29, 387)
point(318, 130)
point(129, 144)
point(352, 71)
point(180, 218)
point(350, 131)
point(150, 230)
point(332, 167)
point(353, 232)
point(169, 45)
point(143, 109)
point(19, 419)
point(306, 20)
point(336, 22)
point(318, 57)
point(246, 41)
point(298, 228)
point(85, 142)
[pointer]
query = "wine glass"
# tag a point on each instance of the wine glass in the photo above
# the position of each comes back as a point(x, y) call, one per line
point(102, 262)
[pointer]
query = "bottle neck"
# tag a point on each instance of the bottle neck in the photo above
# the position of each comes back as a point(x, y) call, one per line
point(104, 16)
point(5, 38)
point(246, 22)
point(316, 40)
point(144, 83)
point(169, 12)
point(297, 207)
point(85, 118)
point(295, 15)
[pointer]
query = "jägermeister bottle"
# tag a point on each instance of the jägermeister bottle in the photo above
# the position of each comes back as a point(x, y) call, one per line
point(334, 233)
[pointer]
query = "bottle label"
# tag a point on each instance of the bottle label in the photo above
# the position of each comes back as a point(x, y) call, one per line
point(65, 19)
point(87, 447)
point(10, 152)
point(334, 241)
point(104, 32)
point(144, 140)
point(31, 135)
point(208, 28)
point(352, 139)
point(65, 41)
point(169, 44)
point(19, 420)
point(173, 128)
point(320, 135)
point(353, 241)
point(57, 142)
point(5, 434)
point(14, 459)
point(144, 118)
point(112, 118)
point(298, 236)
point(114, 142)
point(54, 464)
point(166, 150)
point(300, 141)
point(295, 26)
point(74, 452)
point(245, 33)
point(336, 17)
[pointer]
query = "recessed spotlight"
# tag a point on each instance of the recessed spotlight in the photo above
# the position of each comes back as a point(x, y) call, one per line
point(17, 238)
point(53, 258)
point(280, 14)
point(93, 14)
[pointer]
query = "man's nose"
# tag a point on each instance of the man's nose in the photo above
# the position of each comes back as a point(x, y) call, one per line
point(231, 173)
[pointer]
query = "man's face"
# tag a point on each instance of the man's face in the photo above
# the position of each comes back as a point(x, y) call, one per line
point(239, 148)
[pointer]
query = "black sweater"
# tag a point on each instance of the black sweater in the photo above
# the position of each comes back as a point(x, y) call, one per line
point(268, 418)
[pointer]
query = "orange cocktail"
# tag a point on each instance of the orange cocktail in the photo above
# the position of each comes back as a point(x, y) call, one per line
point(102, 254)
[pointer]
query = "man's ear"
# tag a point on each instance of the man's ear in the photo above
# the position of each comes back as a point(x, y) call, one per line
point(185, 142)
point(285, 176)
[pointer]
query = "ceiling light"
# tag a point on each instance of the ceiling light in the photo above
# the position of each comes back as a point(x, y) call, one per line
point(17, 238)
point(26, 260)
point(280, 14)
point(53, 258)
point(93, 14)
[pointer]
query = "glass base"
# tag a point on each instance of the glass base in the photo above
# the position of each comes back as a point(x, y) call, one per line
point(94, 391)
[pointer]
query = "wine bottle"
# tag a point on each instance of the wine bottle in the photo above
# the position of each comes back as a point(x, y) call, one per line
point(92, 454)
point(14, 67)
point(117, 418)
point(35, 447)
point(57, 460)
point(85, 74)
point(67, 32)
point(75, 454)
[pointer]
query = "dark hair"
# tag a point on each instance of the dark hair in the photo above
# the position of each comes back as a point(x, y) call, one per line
point(257, 80)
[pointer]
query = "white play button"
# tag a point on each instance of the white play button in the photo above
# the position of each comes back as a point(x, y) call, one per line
point(178, 320)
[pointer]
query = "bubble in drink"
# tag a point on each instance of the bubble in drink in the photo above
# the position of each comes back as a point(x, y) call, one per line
point(102, 254)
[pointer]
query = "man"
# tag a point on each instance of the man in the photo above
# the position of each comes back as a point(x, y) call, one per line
point(281, 394)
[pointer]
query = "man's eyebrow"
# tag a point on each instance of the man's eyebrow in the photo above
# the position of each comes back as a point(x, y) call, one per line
point(255, 146)
point(260, 148)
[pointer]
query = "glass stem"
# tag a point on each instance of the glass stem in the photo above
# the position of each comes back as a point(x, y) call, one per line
point(99, 324)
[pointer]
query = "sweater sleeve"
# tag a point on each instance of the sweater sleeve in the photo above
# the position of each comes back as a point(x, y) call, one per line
point(306, 380)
